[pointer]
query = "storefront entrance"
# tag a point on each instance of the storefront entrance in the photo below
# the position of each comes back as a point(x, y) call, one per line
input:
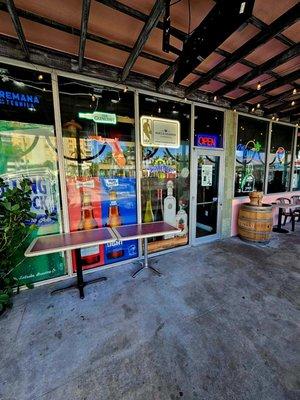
point(207, 195)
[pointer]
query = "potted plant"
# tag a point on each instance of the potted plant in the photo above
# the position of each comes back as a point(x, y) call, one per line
point(15, 214)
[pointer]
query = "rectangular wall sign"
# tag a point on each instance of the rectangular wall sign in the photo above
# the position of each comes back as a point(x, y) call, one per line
point(99, 117)
point(160, 132)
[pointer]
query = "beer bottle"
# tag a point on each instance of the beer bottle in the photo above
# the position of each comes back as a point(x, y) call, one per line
point(115, 249)
point(114, 218)
point(89, 255)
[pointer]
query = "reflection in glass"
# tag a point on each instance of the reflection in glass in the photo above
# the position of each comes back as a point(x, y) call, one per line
point(208, 127)
point(250, 155)
point(296, 174)
point(207, 195)
point(165, 174)
point(280, 158)
point(28, 150)
point(99, 153)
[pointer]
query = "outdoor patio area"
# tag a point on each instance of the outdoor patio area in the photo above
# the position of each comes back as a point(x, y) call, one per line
point(221, 323)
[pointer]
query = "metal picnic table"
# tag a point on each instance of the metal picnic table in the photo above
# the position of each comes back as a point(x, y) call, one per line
point(82, 239)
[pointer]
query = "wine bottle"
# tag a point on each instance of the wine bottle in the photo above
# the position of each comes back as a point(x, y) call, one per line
point(89, 255)
point(148, 216)
point(170, 208)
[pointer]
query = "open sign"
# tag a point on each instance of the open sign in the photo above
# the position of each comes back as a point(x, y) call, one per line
point(207, 140)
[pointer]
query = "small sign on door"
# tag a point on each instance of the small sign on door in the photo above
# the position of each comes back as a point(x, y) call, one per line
point(206, 175)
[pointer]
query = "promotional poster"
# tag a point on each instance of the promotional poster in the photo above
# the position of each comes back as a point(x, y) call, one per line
point(25, 153)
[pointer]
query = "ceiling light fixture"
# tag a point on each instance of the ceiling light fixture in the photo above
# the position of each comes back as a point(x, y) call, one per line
point(295, 91)
point(293, 103)
point(258, 105)
point(253, 109)
point(215, 98)
point(258, 87)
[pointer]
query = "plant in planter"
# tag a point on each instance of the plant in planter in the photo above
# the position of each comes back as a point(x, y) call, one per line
point(15, 212)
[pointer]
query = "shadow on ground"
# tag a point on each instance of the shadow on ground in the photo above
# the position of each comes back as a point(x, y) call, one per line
point(221, 323)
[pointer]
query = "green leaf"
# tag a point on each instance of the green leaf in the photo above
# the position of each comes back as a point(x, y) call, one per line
point(4, 298)
point(16, 207)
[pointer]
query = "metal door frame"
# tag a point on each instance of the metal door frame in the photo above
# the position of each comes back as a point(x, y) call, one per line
point(196, 152)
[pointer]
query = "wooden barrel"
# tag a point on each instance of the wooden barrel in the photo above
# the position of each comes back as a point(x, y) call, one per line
point(255, 223)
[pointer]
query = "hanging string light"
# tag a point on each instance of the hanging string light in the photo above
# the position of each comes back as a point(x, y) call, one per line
point(258, 87)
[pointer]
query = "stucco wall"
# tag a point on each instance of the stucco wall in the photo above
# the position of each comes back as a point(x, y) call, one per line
point(229, 136)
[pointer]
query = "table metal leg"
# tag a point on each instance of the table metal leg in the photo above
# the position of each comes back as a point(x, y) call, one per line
point(80, 282)
point(145, 263)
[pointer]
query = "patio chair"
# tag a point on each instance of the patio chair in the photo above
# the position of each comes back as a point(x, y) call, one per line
point(296, 200)
point(287, 212)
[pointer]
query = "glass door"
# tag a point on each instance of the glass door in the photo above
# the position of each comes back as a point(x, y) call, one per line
point(207, 195)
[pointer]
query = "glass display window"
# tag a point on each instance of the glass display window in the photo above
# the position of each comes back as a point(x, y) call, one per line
point(165, 181)
point(250, 155)
point(208, 128)
point(28, 150)
point(99, 153)
point(279, 158)
point(296, 173)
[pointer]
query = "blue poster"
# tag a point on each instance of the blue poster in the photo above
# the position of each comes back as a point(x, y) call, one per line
point(118, 202)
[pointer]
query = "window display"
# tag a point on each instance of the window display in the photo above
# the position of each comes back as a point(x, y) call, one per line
point(250, 155)
point(99, 153)
point(165, 170)
point(296, 174)
point(280, 158)
point(28, 150)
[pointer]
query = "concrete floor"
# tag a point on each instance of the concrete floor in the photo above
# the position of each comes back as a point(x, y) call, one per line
point(221, 323)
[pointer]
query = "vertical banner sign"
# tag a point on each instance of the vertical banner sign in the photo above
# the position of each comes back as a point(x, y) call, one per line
point(26, 152)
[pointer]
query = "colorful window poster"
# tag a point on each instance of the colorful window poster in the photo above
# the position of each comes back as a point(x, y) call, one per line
point(102, 192)
point(28, 151)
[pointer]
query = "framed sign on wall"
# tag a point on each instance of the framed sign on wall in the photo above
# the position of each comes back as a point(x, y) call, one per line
point(160, 132)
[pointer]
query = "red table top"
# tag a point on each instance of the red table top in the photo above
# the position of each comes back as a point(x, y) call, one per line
point(140, 231)
point(69, 241)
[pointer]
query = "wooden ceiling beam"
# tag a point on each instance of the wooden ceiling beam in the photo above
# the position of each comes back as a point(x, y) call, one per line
point(156, 12)
point(281, 96)
point(270, 64)
point(123, 8)
point(281, 108)
point(94, 38)
point(18, 27)
point(86, 5)
point(277, 26)
point(74, 31)
point(10, 48)
point(258, 23)
point(283, 80)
